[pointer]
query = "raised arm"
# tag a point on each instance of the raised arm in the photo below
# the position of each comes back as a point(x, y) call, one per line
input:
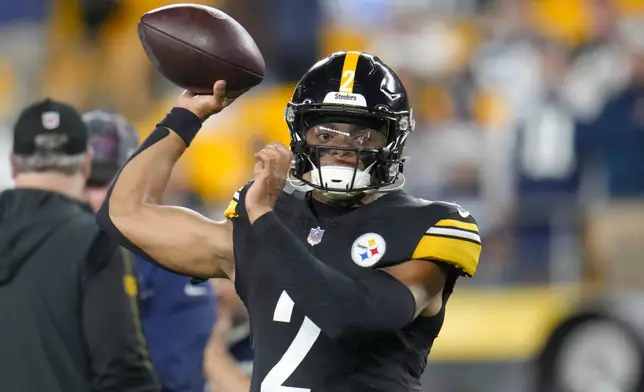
point(177, 238)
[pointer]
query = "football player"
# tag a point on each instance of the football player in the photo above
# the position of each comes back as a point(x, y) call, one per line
point(344, 275)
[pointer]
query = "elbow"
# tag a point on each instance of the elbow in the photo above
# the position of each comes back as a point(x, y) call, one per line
point(110, 216)
point(116, 207)
point(103, 215)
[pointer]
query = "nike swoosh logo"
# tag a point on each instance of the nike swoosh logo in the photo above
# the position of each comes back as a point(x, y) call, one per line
point(463, 213)
point(194, 291)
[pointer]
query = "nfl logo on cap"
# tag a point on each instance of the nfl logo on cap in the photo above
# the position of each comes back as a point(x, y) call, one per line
point(50, 120)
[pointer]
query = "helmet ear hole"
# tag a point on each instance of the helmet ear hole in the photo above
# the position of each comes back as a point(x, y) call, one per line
point(383, 108)
point(303, 158)
point(300, 165)
point(297, 147)
point(380, 173)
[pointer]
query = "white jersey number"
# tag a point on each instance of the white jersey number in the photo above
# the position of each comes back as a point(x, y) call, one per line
point(347, 79)
point(294, 355)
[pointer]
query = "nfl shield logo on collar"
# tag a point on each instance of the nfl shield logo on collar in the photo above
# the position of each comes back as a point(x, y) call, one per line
point(315, 236)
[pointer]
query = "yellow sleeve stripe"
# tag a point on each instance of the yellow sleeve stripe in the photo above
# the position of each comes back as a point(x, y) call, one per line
point(460, 253)
point(458, 224)
point(231, 211)
point(349, 72)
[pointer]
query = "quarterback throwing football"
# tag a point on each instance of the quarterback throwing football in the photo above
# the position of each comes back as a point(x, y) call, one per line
point(344, 275)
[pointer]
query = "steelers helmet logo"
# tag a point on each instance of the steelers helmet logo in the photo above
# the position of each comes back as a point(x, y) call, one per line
point(368, 249)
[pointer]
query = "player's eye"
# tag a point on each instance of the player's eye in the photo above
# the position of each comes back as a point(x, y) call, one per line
point(323, 136)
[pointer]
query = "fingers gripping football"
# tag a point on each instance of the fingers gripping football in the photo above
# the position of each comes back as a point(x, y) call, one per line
point(271, 170)
point(205, 106)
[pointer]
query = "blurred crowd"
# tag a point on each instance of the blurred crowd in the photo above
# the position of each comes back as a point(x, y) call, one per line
point(530, 113)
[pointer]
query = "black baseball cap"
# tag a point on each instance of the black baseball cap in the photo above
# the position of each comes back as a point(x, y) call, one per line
point(113, 140)
point(51, 127)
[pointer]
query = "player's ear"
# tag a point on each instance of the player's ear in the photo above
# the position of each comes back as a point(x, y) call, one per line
point(87, 163)
point(12, 162)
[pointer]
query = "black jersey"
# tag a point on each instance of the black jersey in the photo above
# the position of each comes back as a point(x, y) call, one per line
point(292, 354)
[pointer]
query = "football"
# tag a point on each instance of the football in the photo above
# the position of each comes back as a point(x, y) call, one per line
point(193, 46)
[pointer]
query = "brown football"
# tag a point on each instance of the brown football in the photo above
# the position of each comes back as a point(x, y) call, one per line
point(193, 46)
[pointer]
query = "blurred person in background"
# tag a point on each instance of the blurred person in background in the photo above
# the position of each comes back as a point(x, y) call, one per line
point(546, 174)
point(228, 361)
point(112, 140)
point(615, 138)
point(599, 65)
point(177, 317)
point(67, 291)
point(506, 63)
point(613, 144)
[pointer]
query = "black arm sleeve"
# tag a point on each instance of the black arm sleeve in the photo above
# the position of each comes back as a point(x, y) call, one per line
point(118, 352)
point(341, 306)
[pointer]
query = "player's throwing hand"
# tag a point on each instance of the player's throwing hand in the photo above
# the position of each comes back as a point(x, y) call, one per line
point(205, 106)
point(271, 169)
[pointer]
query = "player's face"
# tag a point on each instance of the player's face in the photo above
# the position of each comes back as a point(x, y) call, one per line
point(344, 136)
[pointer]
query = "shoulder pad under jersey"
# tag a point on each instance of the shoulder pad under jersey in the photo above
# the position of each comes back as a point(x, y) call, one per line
point(236, 207)
point(447, 233)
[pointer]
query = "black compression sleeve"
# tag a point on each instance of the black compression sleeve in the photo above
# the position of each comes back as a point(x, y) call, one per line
point(341, 306)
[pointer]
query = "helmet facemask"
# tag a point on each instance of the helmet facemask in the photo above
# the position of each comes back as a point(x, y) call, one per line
point(345, 151)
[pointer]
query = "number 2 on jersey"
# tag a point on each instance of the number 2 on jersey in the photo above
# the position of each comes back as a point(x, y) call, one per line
point(295, 353)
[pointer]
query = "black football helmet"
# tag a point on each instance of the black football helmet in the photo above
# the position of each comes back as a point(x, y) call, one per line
point(357, 89)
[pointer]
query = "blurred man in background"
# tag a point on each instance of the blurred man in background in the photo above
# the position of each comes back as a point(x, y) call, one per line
point(112, 141)
point(177, 317)
point(228, 361)
point(615, 141)
point(67, 292)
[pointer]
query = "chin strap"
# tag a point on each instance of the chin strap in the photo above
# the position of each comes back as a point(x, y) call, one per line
point(395, 186)
point(301, 186)
point(297, 183)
